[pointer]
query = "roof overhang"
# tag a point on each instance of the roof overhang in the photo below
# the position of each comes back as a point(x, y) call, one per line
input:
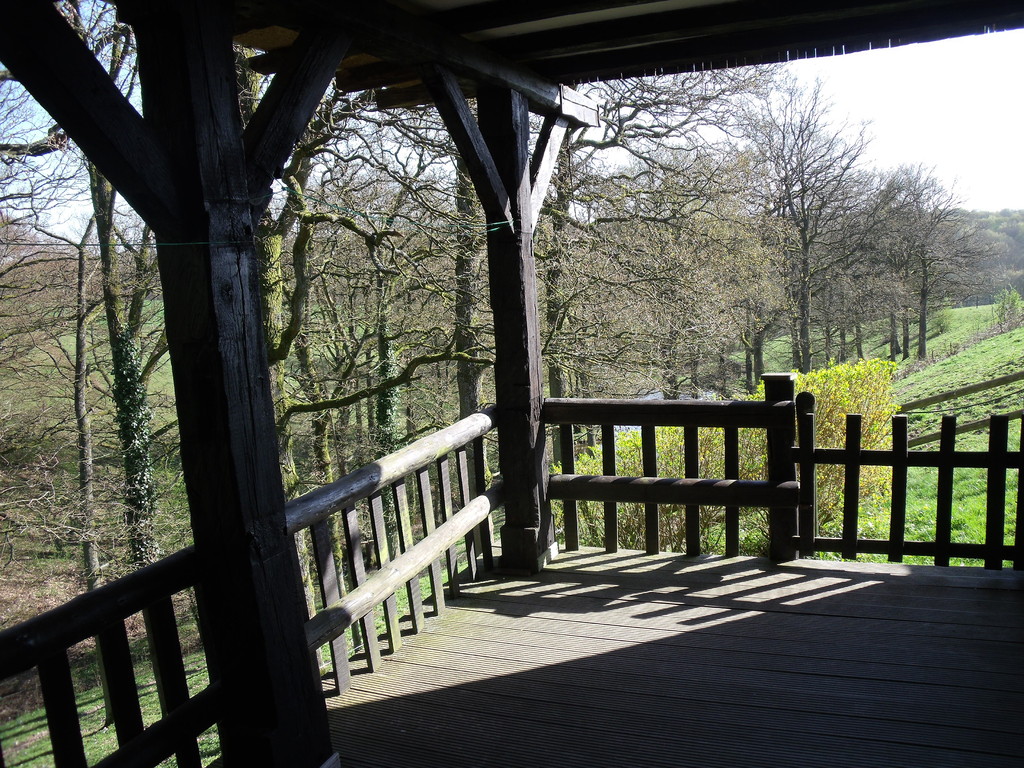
point(538, 46)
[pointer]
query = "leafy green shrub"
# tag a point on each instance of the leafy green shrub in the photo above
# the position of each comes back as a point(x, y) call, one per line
point(1009, 309)
point(863, 387)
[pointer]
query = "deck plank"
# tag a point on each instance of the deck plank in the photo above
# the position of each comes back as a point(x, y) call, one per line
point(626, 659)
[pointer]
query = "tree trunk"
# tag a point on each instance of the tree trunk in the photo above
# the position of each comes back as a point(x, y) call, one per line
point(83, 428)
point(805, 315)
point(468, 376)
point(894, 337)
point(922, 323)
point(757, 351)
point(906, 335)
point(387, 402)
point(129, 390)
point(859, 340)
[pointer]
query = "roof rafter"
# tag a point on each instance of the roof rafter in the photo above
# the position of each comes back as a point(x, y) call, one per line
point(397, 35)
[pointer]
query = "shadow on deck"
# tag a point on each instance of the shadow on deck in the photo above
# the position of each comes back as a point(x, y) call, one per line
point(632, 660)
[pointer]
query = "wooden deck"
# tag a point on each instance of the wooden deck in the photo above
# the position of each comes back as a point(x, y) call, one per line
point(632, 660)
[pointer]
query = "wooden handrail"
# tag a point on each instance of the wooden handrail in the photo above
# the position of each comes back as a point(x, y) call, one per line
point(971, 426)
point(163, 738)
point(669, 490)
point(316, 505)
point(335, 618)
point(970, 389)
point(24, 645)
point(669, 413)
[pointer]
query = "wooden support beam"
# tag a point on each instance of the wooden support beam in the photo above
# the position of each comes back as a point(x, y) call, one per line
point(542, 166)
point(465, 132)
point(396, 34)
point(505, 123)
point(56, 67)
point(250, 595)
point(286, 108)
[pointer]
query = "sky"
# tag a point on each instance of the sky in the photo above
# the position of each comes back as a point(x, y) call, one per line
point(954, 105)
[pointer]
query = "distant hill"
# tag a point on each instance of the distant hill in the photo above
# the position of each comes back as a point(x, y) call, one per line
point(1005, 229)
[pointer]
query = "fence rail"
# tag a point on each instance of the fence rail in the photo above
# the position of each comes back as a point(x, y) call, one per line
point(368, 546)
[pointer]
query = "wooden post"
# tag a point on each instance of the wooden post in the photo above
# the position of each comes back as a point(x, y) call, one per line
point(808, 515)
point(782, 521)
point(251, 597)
point(526, 536)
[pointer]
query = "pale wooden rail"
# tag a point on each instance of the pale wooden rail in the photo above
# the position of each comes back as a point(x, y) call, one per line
point(361, 569)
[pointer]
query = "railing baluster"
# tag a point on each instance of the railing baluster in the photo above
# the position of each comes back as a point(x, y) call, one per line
point(1018, 536)
point(732, 472)
point(898, 508)
point(462, 474)
point(426, 500)
point(944, 490)
point(354, 553)
point(331, 589)
point(405, 543)
point(995, 492)
point(383, 553)
point(851, 486)
point(691, 468)
point(649, 450)
point(808, 514)
point(169, 669)
point(479, 486)
point(570, 512)
point(122, 689)
point(611, 509)
point(62, 712)
point(444, 479)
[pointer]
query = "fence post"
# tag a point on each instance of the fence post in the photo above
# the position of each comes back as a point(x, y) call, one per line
point(782, 522)
point(808, 516)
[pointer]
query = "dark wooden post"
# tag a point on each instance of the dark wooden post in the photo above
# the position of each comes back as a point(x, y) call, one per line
point(251, 601)
point(782, 522)
point(526, 536)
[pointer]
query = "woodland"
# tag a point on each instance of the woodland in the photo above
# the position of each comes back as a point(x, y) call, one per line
point(707, 215)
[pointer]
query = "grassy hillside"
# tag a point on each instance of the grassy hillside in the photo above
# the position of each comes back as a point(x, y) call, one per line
point(951, 331)
point(996, 356)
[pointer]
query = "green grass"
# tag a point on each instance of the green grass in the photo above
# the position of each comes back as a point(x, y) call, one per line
point(26, 740)
point(996, 356)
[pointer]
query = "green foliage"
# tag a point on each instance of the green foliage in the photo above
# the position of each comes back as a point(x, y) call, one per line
point(671, 445)
point(865, 388)
point(1009, 309)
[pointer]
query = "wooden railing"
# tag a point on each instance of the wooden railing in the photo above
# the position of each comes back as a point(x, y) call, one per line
point(789, 535)
point(43, 643)
point(371, 577)
point(997, 461)
point(779, 493)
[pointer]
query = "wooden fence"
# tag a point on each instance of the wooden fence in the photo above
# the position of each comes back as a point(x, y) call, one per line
point(788, 534)
point(371, 577)
point(351, 596)
point(997, 461)
point(43, 643)
point(779, 492)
